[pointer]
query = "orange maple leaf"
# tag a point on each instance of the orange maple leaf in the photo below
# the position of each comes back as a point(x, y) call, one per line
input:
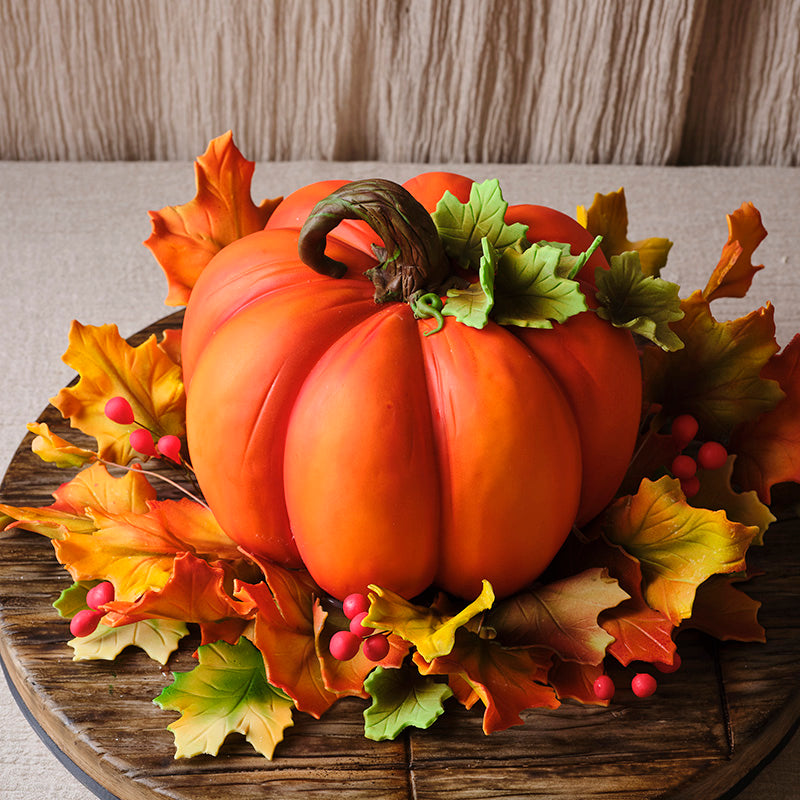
point(186, 237)
point(109, 367)
point(608, 217)
point(507, 680)
point(768, 448)
point(726, 613)
point(575, 681)
point(194, 592)
point(734, 273)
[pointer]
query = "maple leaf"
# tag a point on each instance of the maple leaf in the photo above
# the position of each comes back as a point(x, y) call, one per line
point(724, 612)
point(157, 637)
point(92, 490)
point(109, 367)
point(194, 592)
point(768, 447)
point(136, 551)
point(642, 303)
point(471, 306)
point(430, 631)
point(462, 226)
point(55, 450)
point(561, 616)
point(716, 493)
point(227, 692)
point(401, 698)
point(284, 631)
point(506, 680)
point(717, 376)
point(677, 545)
point(608, 217)
point(186, 237)
point(575, 681)
point(734, 272)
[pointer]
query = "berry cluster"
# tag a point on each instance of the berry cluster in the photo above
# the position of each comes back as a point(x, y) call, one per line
point(710, 455)
point(642, 685)
point(119, 410)
point(344, 645)
point(87, 620)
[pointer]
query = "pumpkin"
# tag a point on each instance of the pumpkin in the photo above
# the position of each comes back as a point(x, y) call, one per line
point(330, 431)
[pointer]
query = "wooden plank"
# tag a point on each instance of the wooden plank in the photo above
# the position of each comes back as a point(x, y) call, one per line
point(707, 725)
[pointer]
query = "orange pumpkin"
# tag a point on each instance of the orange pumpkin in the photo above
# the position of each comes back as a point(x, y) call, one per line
point(327, 430)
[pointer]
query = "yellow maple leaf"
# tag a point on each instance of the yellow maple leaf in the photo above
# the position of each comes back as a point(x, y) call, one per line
point(55, 450)
point(186, 237)
point(109, 367)
point(432, 633)
point(608, 217)
point(677, 545)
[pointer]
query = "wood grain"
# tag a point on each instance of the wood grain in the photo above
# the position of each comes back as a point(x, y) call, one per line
point(710, 723)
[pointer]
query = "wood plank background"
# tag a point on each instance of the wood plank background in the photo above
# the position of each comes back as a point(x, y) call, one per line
point(555, 81)
point(706, 727)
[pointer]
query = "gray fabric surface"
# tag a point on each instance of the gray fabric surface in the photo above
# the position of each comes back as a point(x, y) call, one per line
point(555, 81)
point(71, 233)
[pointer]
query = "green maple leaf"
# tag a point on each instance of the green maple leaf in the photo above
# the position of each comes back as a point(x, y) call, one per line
point(157, 637)
point(471, 306)
point(73, 599)
point(644, 304)
point(531, 290)
point(227, 692)
point(461, 226)
point(401, 698)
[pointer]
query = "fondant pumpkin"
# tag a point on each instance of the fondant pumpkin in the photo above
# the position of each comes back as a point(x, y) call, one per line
point(327, 430)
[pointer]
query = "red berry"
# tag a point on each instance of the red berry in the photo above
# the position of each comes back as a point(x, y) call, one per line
point(344, 645)
point(712, 455)
point(358, 628)
point(100, 595)
point(674, 666)
point(376, 648)
point(683, 467)
point(604, 688)
point(170, 447)
point(684, 429)
point(142, 442)
point(85, 622)
point(119, 410)
point(355, 604)
point(690, 486)
point(643, 685)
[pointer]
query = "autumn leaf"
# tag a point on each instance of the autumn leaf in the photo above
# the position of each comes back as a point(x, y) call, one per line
point(157, 637)
point(734, 272)
point(430, 631)
point(507, 680)
point(716, 493)
point(608, 217)
point(677, 545)
point(284, 631)
point(195, 591)
point(768, 447)
point(136, 551)
point(227, 692)
point(109, 367)
point(574, 681)
point(561, 616)
point(92, 490)
point(186, 237)
point(717, 376)
point(724, 612)
point(55, 450)
point(401, 698)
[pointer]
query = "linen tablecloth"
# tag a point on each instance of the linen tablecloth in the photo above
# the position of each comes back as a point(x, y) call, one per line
point(71, 238)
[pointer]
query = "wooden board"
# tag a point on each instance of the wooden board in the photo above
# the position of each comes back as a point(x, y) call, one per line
point(708, 725)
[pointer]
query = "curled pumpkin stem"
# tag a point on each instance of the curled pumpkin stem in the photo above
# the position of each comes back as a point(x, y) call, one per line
point(412, 258)
point(428, 306)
